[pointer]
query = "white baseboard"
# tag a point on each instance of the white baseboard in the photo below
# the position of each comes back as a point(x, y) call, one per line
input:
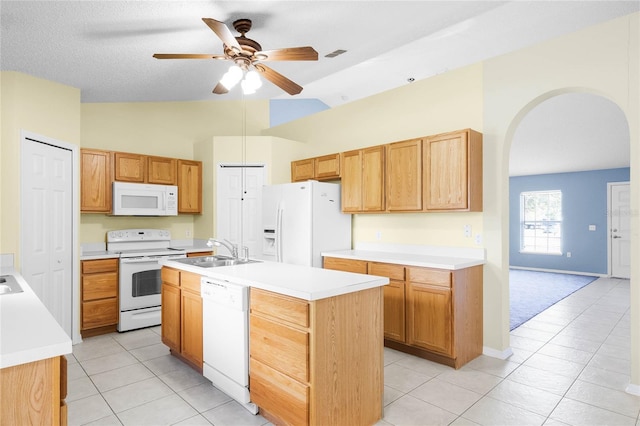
point(633, 389)
point(558, 271)
point(494, 353)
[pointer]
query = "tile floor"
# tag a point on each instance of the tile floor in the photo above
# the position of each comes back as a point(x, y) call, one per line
point(570, 366)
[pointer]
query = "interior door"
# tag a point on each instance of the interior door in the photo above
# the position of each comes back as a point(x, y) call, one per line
point(239, 205)
point(46, 228)
point(620, 230)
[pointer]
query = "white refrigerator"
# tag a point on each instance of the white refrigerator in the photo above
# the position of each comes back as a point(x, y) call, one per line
point(301, 220)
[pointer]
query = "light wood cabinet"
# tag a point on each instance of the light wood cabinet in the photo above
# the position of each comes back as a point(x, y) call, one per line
point(129, 167)
point(162, 170)
point(99, 288)
point(95, 181)
point(34, 393)
point(453, 171)
point(363, 180)
point(317, 362)
point(404, 176)
point(182, 315)
point(325, 167)
point(432, 313)
point(189, 186)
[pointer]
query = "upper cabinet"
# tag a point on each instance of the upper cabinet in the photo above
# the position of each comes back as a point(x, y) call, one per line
point(363, 180)
point(453, 171)
point(404, 176)
point(325, 167)
point(189, 186)
point(95, 181)
point(140, 168)
point(99, 169)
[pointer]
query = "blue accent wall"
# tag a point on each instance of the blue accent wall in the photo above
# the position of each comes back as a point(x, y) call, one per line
point(284, 110)
point(584, 203)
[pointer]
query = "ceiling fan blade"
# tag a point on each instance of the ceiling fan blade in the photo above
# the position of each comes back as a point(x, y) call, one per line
point(220, 89)
point(306, 53)
point(279, 80)
point(223, 32)
point(187, 56)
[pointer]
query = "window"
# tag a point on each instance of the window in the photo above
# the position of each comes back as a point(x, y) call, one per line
point(541, 222)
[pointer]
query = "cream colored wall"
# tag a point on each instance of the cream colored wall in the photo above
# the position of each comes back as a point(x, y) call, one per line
point(38, 106)
point(169, 129)
point(603, 60)
point(440, 104)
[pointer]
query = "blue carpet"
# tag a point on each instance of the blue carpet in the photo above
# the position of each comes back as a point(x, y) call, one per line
point(531, 292)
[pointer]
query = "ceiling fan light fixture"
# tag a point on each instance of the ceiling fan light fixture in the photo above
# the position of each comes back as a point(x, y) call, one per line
point(232, 77)
point(251, 82)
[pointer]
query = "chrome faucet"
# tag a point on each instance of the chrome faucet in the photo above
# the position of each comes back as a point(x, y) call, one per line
point(233, 248)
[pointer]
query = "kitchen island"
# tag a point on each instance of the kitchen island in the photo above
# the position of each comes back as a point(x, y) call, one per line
point(315, 339)
point(32, 364)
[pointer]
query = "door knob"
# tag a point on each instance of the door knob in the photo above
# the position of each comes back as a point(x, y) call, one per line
point(617, 236)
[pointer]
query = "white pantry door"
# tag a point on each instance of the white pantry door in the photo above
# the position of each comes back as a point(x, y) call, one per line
point(620, 230)
point(46, 226)
point(239, 205)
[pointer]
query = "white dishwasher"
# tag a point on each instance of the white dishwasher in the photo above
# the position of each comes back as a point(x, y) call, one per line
point(225, 327)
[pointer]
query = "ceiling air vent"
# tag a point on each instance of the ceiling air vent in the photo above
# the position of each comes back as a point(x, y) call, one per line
point(335, 53)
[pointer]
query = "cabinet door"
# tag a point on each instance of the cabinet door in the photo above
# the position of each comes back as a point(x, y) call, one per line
point(302, 170)
point(429, 317)
point(191, 329)
point(446, 177)
point(161, 170)
point(189, 186)
point(394, 312)
point(95, 181)
point(373, 179)
point(351, 181)
point(99, 313)
point(130, 167)
point(171, 316)
point(404, 176)
point(327, 167)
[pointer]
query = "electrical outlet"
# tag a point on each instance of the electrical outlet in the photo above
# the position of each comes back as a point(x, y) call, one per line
point(478, 239)
point(378, 235)
point(187, 234)
point(568, 254)
point(467, 231)
point(592, 227)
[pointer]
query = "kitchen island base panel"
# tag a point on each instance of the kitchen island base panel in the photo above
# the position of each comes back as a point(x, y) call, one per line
point(187, 361)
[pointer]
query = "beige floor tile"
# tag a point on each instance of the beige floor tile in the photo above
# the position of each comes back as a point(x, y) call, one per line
point(75, 371)
point(473, 380)
point(617, 365)
point(402, 378)
point(610, 379)
point(165, 364)
point(541, 379)
point(494, 366)
point(137, 338)
point(85, 410)
point(525, 343)
point(390, 395)
point(182, 379)
point(526, 397)
point(108, 362)
point(80, 388)
point(408, 411)
point(532, 333)
point(578, 413)
point(146, 353)
point(422, 366)
point(565, 353)
point(96, 347)
point(575, 342)
point(110, 420)
point(164, 411)
point(121, 377)
point(554, 365)
point(233, 413)
point(391, 356)
point(204, 397)
point(489, 411)
point(446, 395)
point(606, 398)
point(135, 394)
point(197, 420)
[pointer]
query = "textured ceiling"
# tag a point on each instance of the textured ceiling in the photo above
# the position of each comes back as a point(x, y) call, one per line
point(105, 48)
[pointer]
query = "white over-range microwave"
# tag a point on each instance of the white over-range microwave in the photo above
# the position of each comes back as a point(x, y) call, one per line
point(140, 199)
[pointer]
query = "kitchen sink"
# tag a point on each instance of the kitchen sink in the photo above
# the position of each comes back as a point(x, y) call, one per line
point(9, 285)
point(214, 261)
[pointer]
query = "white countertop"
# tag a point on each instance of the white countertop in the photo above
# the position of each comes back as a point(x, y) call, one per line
point(28, 332)
point(450, 258)
point(303, 282)
point(94, 251)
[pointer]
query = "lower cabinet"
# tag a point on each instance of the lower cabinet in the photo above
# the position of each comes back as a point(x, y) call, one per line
point(34, 393)
point(99, 310)
point(428, 312)
point(182, 315)
point(318, 362)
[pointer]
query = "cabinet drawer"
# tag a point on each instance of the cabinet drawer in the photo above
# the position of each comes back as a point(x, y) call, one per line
point(170, 276)
point(99, 313)
point(272, 391)
point(394, 272)
point(281, 347)
point(190, 281)
point(327, 166)
point(437, 277)
point(347, 265)
point(99, 286)
point(286, 308)
point(99, 265)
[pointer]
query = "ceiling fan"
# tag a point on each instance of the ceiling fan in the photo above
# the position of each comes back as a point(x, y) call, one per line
point(248, 56)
